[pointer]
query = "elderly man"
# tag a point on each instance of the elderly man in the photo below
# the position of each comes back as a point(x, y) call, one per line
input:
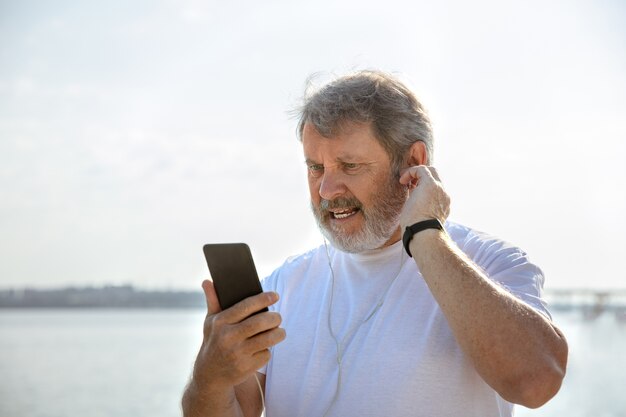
point(405, 313)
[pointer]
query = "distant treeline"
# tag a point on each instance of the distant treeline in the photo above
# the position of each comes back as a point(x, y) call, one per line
point(125, 296)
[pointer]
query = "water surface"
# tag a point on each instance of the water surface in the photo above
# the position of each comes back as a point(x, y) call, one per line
point(111, 363)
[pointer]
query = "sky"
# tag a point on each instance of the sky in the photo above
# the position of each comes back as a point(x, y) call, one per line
point(132, 133)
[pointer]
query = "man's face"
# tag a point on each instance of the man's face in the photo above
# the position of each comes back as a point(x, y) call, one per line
point(355, 196)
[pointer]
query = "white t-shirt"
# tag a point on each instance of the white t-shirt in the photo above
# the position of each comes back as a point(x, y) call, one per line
point(402, 361)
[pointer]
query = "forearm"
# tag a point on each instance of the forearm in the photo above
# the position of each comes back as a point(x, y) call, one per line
point(515, 349)
point(206, 402)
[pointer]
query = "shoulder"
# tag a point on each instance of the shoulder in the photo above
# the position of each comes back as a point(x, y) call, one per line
point(488, 251)
point(295, 268)
point(502, 262)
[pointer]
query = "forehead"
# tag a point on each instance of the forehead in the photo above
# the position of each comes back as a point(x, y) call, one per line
point(353, 141)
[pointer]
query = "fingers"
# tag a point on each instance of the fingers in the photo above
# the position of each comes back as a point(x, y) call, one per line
point(434, 173)
point(212, 303)
point(427, 196)
point(259, 323)
point(249, 306)
point(241, 310)
point(265, 340)
point(245, 346)
point(412, 176)
point(252, 335)
point(236, 342)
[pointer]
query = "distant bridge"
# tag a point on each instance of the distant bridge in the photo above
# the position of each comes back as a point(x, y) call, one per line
point(592, 302)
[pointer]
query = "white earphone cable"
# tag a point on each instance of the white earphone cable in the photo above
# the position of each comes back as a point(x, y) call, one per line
point(339, 345)
point(258, 383)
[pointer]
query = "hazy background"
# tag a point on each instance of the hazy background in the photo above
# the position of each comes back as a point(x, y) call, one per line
point(131, 133)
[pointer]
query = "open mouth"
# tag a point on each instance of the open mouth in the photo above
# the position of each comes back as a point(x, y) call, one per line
point(340, 214)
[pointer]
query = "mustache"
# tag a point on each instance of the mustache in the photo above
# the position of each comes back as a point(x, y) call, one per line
point(340, 203)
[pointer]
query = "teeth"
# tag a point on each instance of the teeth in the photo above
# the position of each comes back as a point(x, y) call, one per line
point(344, 214)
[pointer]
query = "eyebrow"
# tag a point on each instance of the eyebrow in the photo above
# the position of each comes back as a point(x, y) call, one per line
point(341, 159)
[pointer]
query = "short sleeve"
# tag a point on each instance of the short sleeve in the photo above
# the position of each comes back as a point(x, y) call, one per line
point(269, 283)
point(509, 266)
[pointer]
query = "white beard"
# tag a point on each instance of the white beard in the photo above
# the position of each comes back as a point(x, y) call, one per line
point(381, 220)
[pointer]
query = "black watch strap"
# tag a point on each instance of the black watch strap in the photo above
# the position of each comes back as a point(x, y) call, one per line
point(416, 228)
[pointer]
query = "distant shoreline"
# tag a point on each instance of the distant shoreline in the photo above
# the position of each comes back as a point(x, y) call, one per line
point(125, 296)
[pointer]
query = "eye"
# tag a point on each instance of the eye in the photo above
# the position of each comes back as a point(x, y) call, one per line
point(351, 167)
point(315, 170)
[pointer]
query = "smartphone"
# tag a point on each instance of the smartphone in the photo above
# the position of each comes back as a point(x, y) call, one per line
point(233, 272)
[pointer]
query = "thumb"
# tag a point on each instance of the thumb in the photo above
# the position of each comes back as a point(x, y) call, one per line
point(213, 305)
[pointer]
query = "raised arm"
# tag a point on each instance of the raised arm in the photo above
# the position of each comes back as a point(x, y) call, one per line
point(515, 349)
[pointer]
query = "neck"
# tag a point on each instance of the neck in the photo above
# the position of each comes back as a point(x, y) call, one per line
point(395, 237)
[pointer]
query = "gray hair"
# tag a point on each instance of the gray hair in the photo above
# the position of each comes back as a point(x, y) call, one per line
point(398, 118)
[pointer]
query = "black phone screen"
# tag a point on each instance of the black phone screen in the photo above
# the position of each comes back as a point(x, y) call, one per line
point(233, 272)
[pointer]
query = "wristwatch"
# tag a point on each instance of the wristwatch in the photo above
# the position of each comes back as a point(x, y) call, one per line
point(416, 228)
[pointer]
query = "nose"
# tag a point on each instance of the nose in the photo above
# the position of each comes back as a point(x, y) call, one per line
point(331, 185)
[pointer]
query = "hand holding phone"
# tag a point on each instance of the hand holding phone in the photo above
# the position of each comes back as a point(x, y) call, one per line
point(246, 341)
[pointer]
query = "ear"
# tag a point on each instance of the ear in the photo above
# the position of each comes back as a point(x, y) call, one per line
point(417, 154)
